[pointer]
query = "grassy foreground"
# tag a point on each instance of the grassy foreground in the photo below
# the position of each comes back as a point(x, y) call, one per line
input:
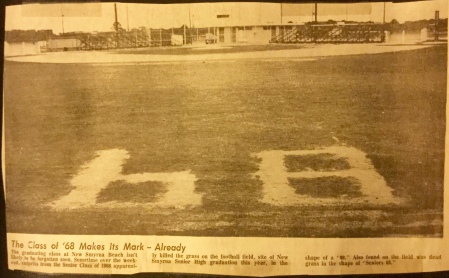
point(210, 118)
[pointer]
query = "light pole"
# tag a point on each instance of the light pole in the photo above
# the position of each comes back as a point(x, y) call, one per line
point(281, 13)
point(346, 19)
point(116, 25)
point(190, 26)
point(62, 20)
point(127, 17)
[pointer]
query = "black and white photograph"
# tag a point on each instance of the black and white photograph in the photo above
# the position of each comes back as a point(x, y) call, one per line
point(221, 119)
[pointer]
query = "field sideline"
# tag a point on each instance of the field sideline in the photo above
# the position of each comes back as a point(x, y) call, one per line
point(209, 120)
point(213, 53)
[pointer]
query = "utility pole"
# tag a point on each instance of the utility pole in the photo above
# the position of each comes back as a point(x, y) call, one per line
point(185, 41)
point(346, 19)
point(62, 20)
point(314, 31)
point(437, 27)
point(116, 26)
point(127, 17)
point(281, 13)
point(190, 26)
point(384, 14)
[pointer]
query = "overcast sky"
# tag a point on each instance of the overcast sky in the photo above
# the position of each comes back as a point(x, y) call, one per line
point(100, 16)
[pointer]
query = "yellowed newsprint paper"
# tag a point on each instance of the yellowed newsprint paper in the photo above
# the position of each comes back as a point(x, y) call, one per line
point(226, 138)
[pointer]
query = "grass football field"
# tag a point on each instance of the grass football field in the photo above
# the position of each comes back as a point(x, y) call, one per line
point(210, 118)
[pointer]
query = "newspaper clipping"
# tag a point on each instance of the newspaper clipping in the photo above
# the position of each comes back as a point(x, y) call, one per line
point(226, 138)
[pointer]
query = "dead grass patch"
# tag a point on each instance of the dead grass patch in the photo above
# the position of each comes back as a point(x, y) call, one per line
point(315, 162)
point(122, 191)
point(327, 187)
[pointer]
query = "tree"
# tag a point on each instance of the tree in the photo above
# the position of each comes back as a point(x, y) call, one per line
point(394, 22)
